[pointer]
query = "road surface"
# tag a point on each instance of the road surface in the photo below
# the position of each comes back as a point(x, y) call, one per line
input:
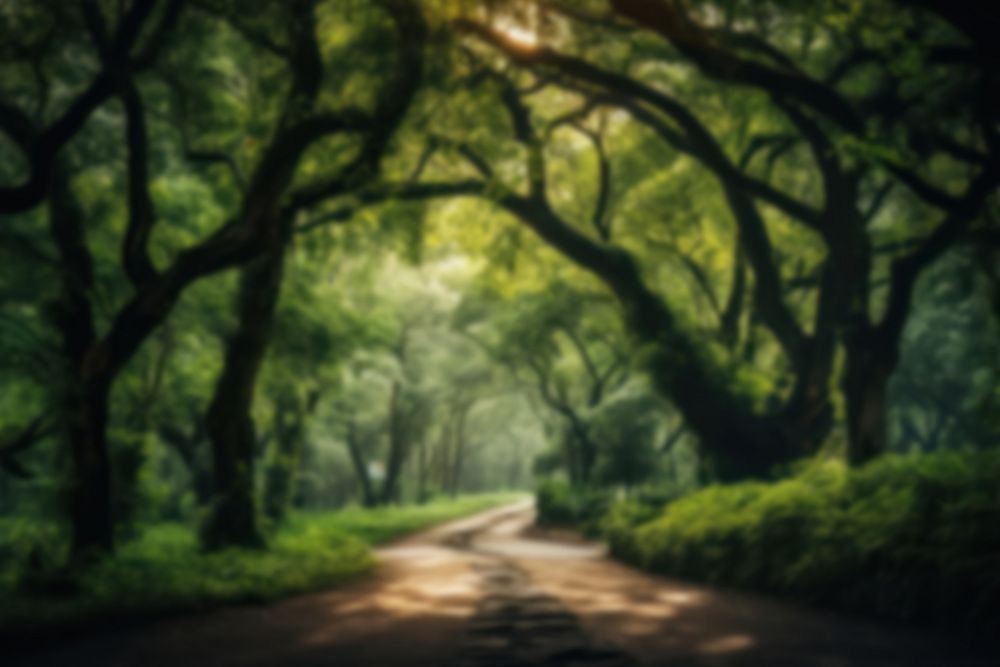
point(489, 591)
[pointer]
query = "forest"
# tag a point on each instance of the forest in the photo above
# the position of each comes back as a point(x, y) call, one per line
point(715, 283)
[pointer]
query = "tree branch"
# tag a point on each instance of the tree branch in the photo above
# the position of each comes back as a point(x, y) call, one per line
point(142, 216)
point(906, 270)
point(50, 141)
point(668, 19)
point(632, 95)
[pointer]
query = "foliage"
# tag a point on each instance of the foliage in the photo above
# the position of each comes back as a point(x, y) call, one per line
point(619, 523)
point(634, 258)
point(559, 504)
point(948, 375)
point(164, 569)
point(911, 537)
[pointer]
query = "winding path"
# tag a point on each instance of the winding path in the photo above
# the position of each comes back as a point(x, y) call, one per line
point(487, 591)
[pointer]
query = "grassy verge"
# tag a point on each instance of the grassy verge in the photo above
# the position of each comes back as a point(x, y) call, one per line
point(381, 525)
point(164, 571)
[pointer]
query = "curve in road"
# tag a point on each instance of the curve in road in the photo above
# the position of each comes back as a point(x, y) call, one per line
point(491, 591)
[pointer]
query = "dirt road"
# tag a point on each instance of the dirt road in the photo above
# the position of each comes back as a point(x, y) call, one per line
point(481, 593)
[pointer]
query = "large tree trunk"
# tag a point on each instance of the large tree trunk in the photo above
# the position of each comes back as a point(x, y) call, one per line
point(232, 518)
point(871, 352)
point(808, 412)
point(86, 402)
point(865, 385)
point(92, 524)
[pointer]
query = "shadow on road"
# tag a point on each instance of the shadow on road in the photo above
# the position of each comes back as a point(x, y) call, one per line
point(488, 592)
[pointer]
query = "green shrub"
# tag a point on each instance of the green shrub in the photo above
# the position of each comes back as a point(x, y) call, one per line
point(619, 524)
point(554, 504)
point(163, 569)
point(911, 537)
point(558, 504)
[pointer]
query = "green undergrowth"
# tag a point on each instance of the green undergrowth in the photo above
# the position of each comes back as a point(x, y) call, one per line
point(381, 525)
point(163, 570)
point(587, 510)
point(914, 538)
point(558, 504)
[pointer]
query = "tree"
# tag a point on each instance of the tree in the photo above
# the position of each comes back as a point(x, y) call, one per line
point(854, 179)
point(260, 222)
point(232, 520)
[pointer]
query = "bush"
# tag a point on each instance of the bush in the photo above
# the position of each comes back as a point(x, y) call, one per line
point(618, 526)
point(164, 570)
point(559, 504)
point(910, 537)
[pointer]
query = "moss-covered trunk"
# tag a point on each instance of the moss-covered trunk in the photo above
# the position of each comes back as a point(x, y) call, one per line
point(866, 381)
point(232, 519)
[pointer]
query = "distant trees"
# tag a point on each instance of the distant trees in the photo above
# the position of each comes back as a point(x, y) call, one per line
point(534, 336)
point(407, 400)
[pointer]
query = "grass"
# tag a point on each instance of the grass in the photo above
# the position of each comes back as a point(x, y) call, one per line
point(164, 571)
point(381, 525)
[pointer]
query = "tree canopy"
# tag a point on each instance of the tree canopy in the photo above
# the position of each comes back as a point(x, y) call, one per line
point(272, 255)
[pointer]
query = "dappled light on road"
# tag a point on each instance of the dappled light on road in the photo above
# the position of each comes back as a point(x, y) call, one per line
point(493, 589)
point(726, 644)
